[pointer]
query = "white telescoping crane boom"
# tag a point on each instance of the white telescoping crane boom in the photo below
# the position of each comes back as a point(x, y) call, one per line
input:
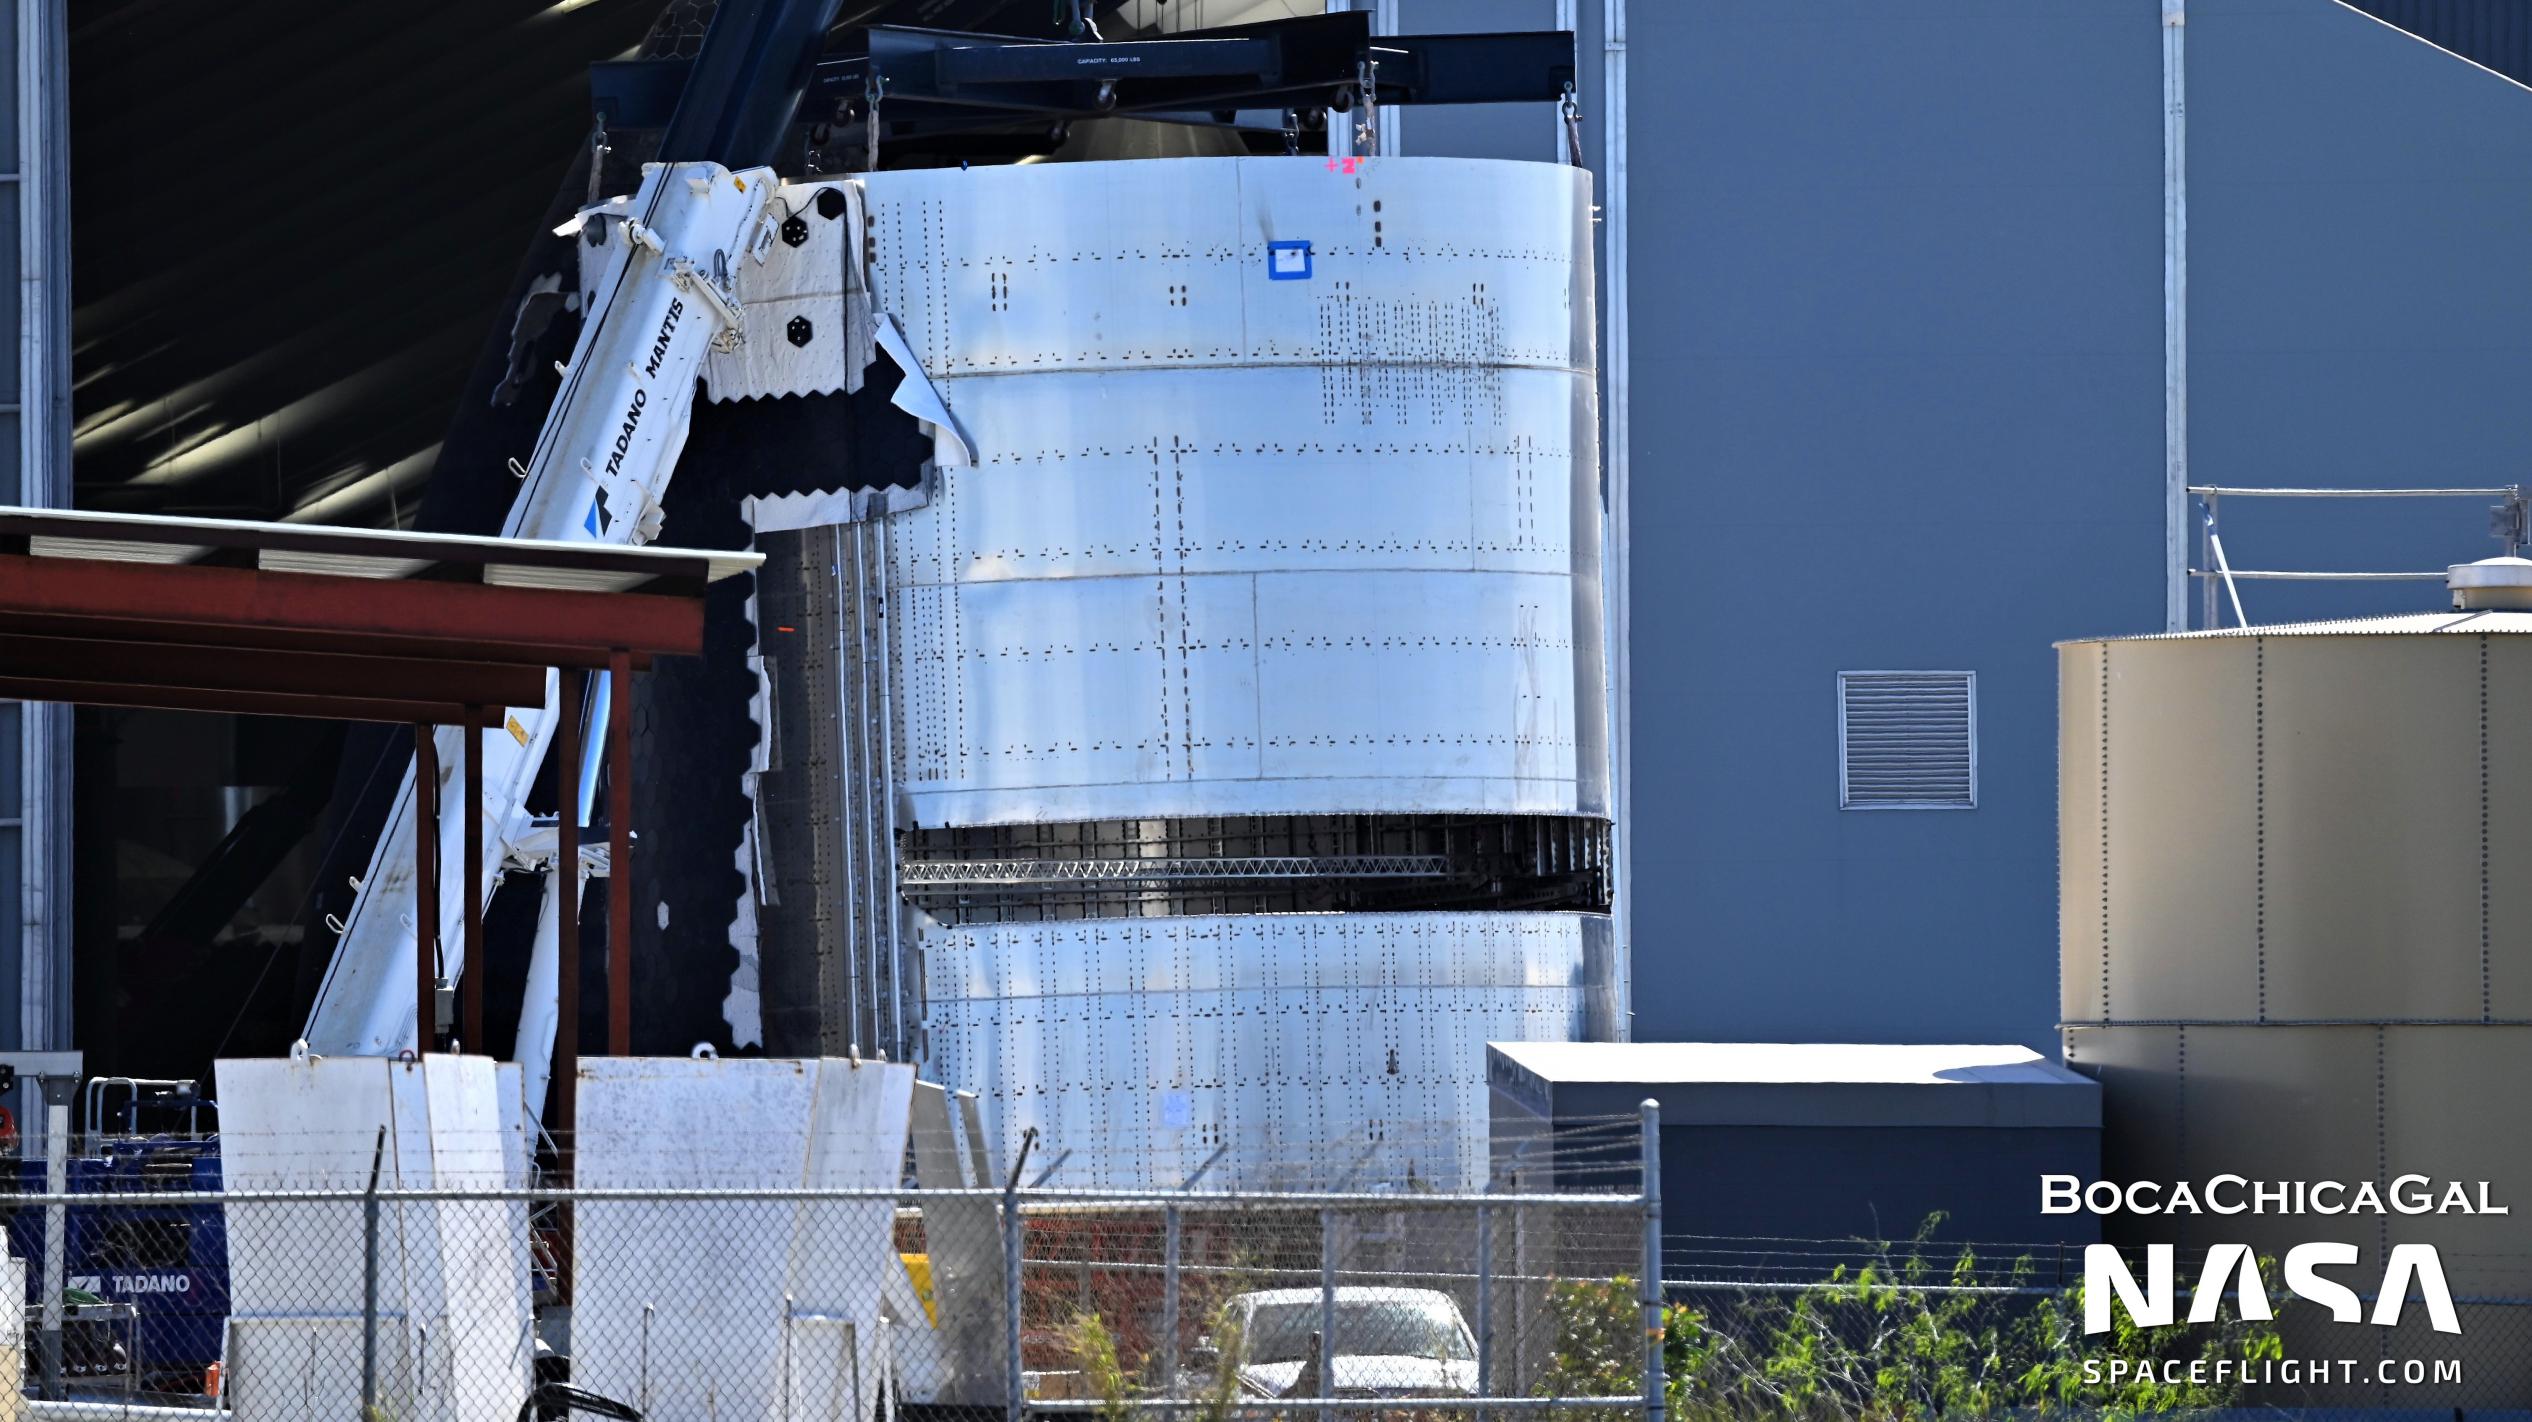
point(665, 293)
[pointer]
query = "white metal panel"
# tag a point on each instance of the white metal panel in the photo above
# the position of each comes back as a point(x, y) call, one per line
point(1312, 1044)
point(1083, 265)
point(1241, 540)
point(1231, 470)
point(308, 1369)
point(689, 1305)
point(962, 1238)
point(315, 1125)
point(649, 1122)
point(1484, 666)
point(518, 1137)
point(844, 1253)
point(478, 1283)
point(807, 324)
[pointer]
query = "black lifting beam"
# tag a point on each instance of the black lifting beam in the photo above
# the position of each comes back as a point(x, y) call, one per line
point(936, 85)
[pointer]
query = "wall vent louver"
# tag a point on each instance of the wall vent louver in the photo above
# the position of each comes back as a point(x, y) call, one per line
point(1907, 740)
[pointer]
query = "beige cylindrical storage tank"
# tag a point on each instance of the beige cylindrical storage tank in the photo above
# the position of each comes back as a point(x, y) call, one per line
point(2296, 942)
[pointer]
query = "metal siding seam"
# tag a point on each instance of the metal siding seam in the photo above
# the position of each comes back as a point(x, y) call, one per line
point(2485, 1005)
point(44, 978)
point(848, 820)
point(2175, 316)
point(2259, 812)
point(2105, 836)
point(2382, 1130)
point(884, 768)
point(1617, 598)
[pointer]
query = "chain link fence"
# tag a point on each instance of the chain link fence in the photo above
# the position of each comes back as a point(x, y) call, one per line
point(484, 1302)
point(501, 1305)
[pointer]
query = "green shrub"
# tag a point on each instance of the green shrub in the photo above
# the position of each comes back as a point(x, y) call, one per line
point(1901, 1337)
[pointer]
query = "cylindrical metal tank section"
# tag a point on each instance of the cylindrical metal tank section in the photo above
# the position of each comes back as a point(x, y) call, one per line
point(1247, 688)
point(2296, 944)
point(1150, 1042)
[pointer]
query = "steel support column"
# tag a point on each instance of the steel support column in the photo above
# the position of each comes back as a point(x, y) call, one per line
point(620, 854)
point(567, 915)
point(470, 970)
point(426, 886)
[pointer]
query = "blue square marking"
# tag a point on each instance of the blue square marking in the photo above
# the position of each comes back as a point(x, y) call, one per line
point(1287, 261)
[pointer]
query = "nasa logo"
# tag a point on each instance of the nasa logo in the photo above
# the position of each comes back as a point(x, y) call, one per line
point(2234, 1265)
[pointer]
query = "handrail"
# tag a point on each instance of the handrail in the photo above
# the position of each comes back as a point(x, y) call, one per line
point(2228, 491)
point(2510, 521)
point(2434, 577)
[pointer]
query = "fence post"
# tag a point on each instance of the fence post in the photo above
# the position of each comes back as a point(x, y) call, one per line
point(57, 1092)
point(369, 1285)
point(1652, 1129)
point(649, 1312)
point(1169, 1300)
point(1485, 1305)
point(1327, 1308)
point(1013, 1381)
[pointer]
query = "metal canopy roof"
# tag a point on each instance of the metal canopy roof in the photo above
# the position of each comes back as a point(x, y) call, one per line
point(365, 553)
point(1862, 1085)
point(338, 624)
point(1785, 1063)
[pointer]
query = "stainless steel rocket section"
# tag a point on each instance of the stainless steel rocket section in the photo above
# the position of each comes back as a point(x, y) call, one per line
point(1258, 571)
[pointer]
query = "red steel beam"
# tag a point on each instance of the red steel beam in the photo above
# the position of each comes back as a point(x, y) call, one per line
point(620, 856)
point(177, 666)
point(244, 703)
point(158, 596)
point(505, 652)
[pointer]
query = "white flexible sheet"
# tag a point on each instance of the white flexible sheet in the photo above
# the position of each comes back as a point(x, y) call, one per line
point(454, 1341)
point(743, 1299)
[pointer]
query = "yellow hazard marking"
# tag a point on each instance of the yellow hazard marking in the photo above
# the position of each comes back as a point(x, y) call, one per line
point(517, 732)
point(919, 1270)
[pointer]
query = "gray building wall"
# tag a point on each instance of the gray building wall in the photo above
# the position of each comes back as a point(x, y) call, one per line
point(1896, 404)
point(2360, 214)
point(1893, 382)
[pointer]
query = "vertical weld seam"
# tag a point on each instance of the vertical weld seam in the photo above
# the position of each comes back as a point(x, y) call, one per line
point(2382, 1131)
point(2180, 1112)
point(1160, 601)
point(1186, 671)
point(2105, 835)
